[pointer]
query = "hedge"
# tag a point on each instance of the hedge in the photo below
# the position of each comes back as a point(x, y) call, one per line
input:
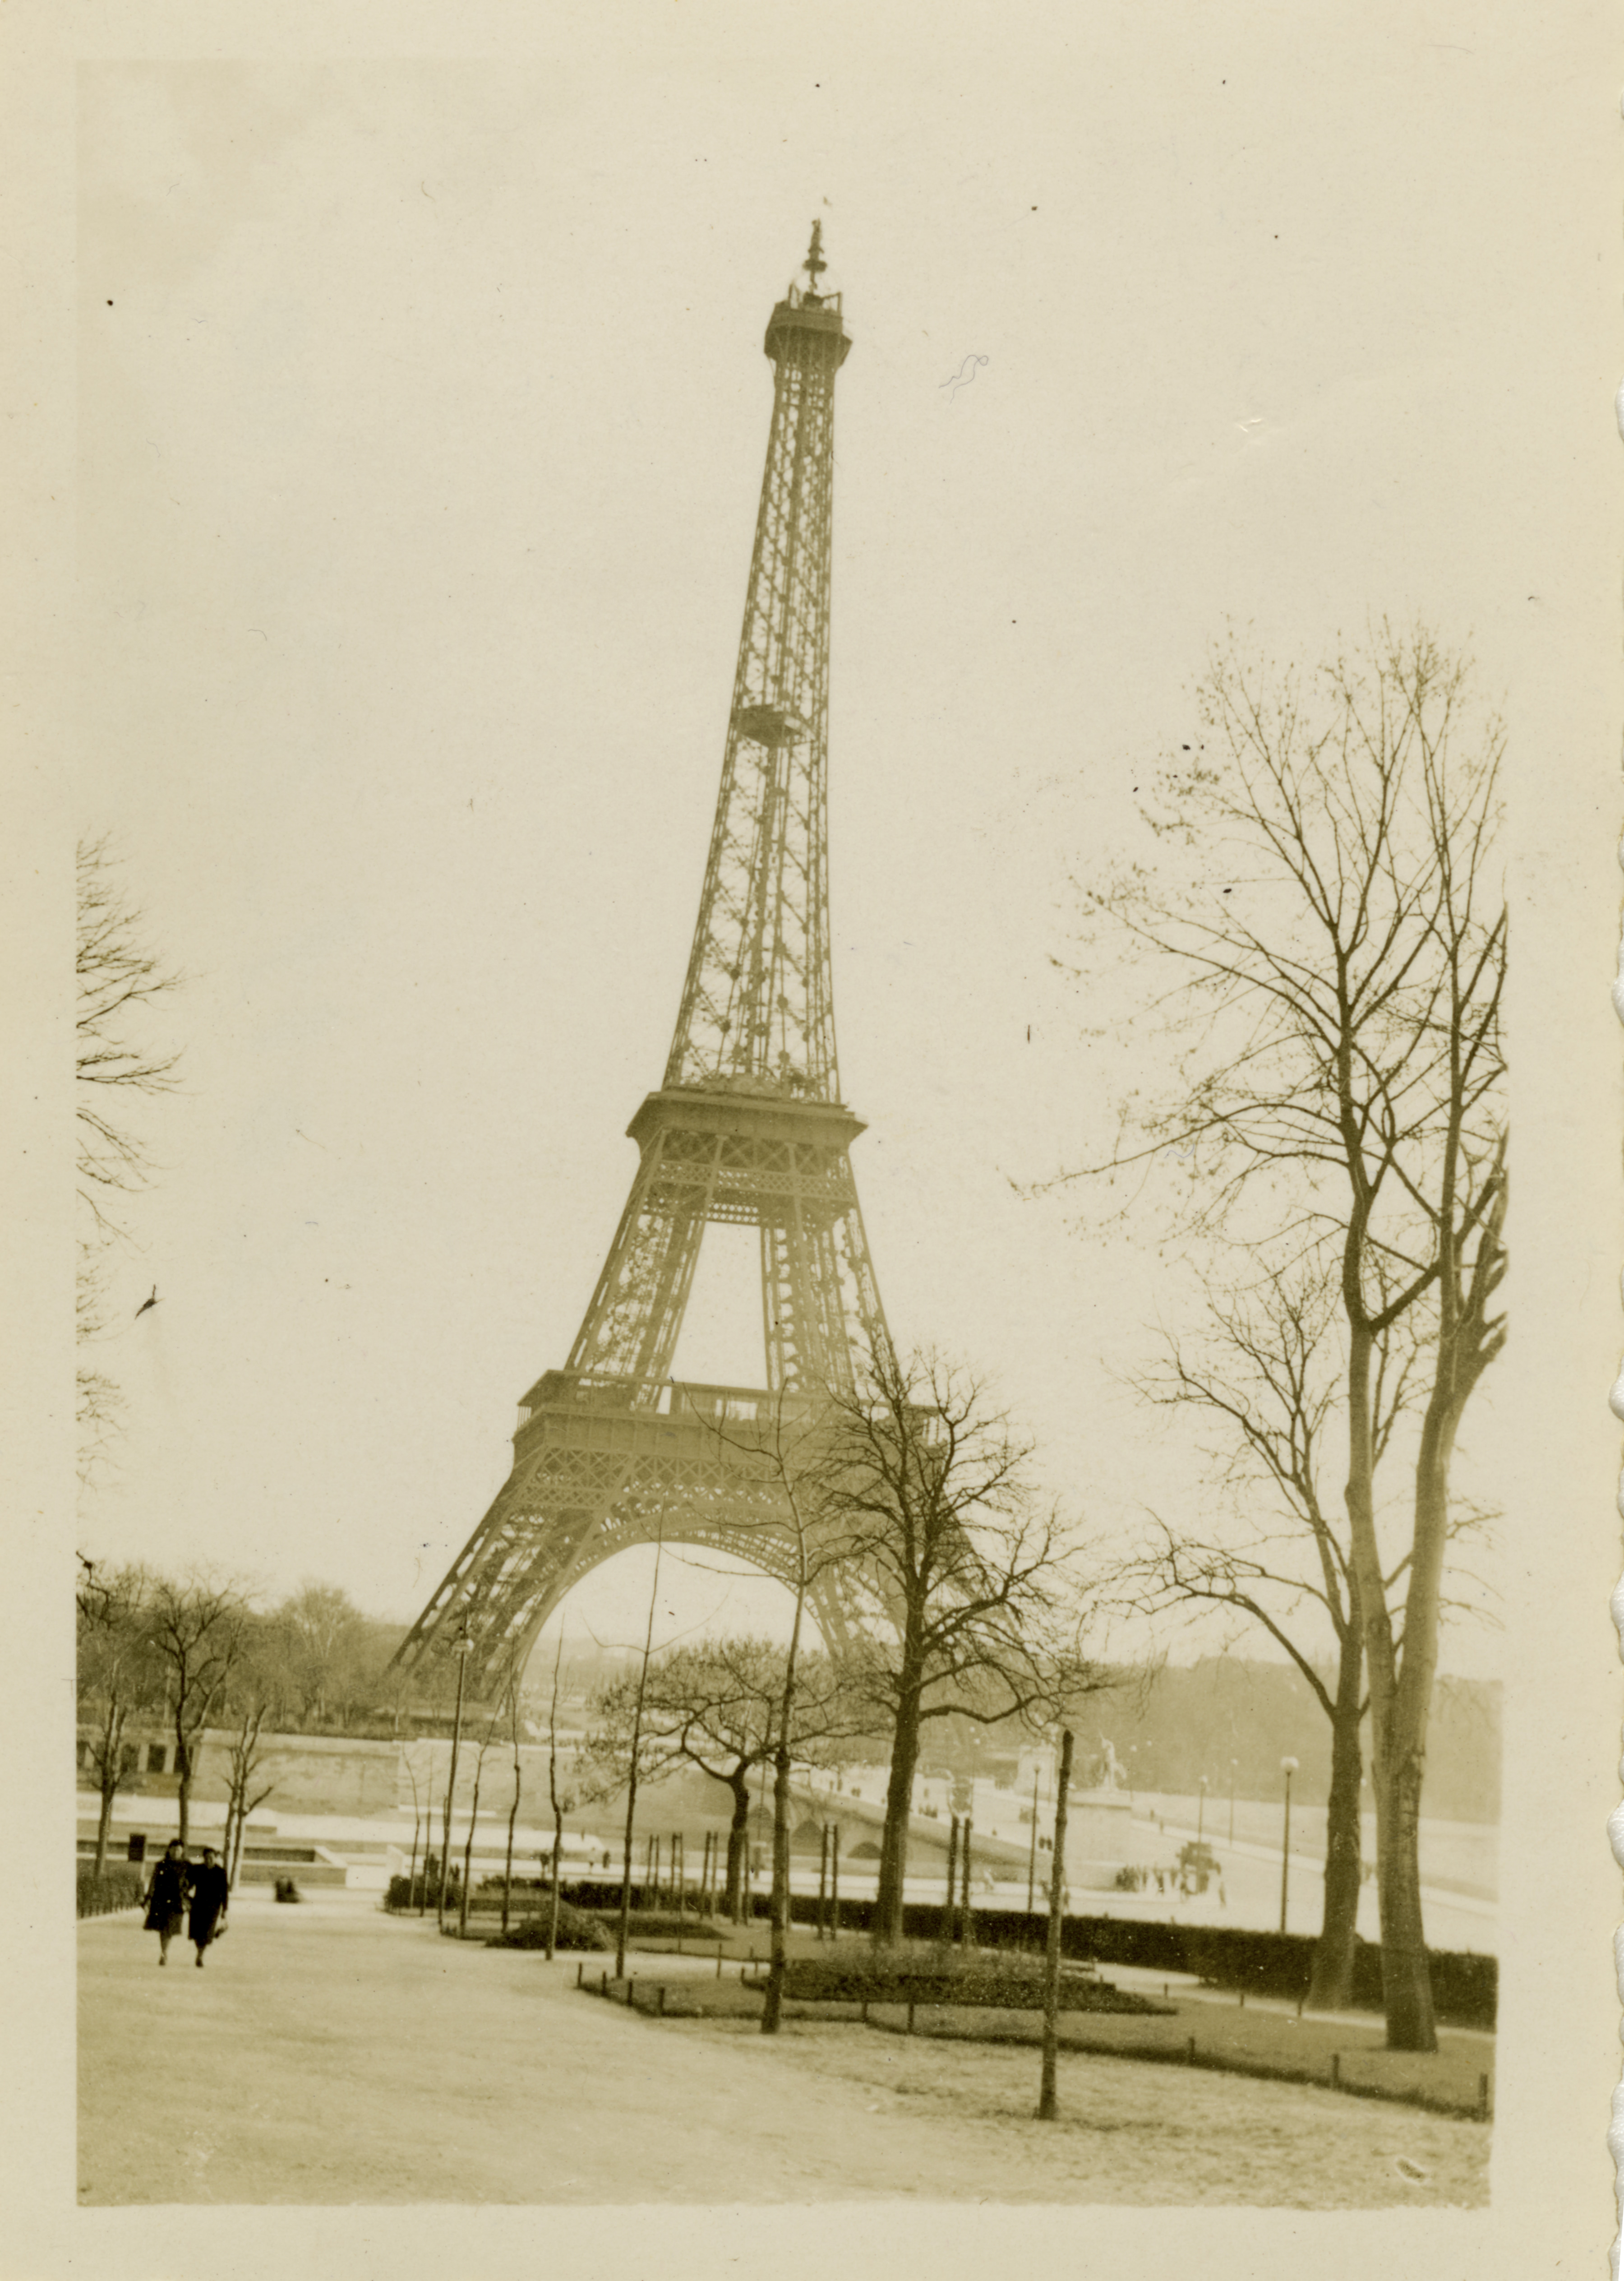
point(1465, 1986)
point(118, 1888)
point(576, 1929)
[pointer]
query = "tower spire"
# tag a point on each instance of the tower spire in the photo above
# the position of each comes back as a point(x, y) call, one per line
point(814, 264)
point(756, 1007)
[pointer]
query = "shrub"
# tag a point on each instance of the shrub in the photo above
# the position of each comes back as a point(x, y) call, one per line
point(414, 1892)
point(118, 1888)
point(656, 1923)
point(576, 1929)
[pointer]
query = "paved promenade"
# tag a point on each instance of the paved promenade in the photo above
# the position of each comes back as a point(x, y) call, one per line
point(329, 2055)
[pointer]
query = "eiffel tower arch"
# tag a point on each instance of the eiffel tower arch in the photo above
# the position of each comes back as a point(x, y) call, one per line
point(747, 1126)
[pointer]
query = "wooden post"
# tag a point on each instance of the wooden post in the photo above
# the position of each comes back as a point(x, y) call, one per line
point(952, 1874)
point(834, 1881)
point(823, 1878)
point(1047, 2105)
point(1032, 1858)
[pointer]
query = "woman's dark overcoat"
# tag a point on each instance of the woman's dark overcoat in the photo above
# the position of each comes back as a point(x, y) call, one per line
point(166, 1896)
point(209, 1896)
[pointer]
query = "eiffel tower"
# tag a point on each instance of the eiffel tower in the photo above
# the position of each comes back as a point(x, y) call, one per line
point(747, 1126)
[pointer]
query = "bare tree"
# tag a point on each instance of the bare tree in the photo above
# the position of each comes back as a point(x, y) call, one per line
point(717, 1705)
point(244, 1763)
point(1327, 913)
point(486, 1740)
point(197, 1629)
point(416, 1826)
point(633, 1768)
point(115, 1678)
point(556, 1798)
point(118, 980)
point(973, 1608)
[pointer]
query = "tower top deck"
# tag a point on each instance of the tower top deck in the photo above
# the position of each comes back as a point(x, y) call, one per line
point(806, 317)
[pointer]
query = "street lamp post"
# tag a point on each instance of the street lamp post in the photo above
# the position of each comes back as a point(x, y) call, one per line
point(1287, 1767)
point(460, 1646)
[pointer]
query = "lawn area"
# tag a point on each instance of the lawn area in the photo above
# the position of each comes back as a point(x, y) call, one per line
point(1255, 2041)
point(1337, 2055)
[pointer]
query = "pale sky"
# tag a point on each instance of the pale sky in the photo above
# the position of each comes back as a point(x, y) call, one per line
point(422, 410)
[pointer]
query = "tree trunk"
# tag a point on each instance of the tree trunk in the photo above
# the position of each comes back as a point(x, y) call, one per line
point(1330, 1987)
point(1406, 1977)
point(773, 2009)
point(552, 1898)
point(507, 1866)
point(738, 1843)
point(467, 1851)
point(1047, 2104)
point(183, 1795)
point(104, 1825)
point(898, 1807)
point(1405, 1986)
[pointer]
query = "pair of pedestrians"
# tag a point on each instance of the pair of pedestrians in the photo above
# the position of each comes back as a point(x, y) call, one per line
point(187, 1896)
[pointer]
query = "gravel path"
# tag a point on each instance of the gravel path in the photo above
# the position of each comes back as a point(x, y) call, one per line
point(330, 2054)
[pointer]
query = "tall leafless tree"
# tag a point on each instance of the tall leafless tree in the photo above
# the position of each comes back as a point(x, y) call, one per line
point(1327, 930)
point(1268, 1543)
point(247, 1756)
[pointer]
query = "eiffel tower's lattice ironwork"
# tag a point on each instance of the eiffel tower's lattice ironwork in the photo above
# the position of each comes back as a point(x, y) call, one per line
point(747, 1126)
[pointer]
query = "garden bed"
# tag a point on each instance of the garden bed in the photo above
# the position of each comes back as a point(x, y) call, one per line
point(1003, 1980)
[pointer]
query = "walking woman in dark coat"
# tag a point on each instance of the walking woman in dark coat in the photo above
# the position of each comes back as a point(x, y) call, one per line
point(167, 1898)
point(210, 1894)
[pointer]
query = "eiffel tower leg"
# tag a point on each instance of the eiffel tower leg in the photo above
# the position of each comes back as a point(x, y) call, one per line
point(630, 1327)
point(515, 1567)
